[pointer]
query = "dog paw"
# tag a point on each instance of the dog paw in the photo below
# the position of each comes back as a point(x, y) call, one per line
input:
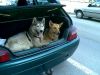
point(43, 46)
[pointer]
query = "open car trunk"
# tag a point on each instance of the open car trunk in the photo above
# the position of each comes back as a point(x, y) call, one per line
point(18, 19)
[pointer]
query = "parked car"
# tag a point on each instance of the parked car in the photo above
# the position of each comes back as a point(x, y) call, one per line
point(92, 11)
point(15, 18)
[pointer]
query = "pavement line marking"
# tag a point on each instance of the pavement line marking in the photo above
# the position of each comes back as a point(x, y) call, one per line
point(83, 68)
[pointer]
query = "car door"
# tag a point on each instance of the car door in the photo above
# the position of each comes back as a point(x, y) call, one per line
point(92, 11)
point(96, 10)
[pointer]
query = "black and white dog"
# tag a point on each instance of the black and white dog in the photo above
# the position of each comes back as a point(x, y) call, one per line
point(26, 40)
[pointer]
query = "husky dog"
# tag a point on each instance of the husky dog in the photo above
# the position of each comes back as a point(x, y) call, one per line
point(53, 32)
point(31, 38)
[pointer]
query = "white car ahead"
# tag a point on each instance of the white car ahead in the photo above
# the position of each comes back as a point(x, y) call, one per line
point(92, 11)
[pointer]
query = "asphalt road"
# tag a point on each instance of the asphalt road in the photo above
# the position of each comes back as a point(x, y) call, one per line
point(86, 59)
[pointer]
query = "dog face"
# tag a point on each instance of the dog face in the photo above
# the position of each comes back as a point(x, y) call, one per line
point(54, 27)
point(38, 26)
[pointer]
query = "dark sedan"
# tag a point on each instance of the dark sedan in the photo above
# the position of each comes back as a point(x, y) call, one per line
point(17, 17)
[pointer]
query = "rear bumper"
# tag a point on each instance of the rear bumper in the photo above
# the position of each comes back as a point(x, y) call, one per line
point(40, 62)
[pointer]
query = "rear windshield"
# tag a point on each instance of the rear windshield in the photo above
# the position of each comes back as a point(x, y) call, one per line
point(7, 2)
point(42, 0)
point(47, 1)
point(14, 2)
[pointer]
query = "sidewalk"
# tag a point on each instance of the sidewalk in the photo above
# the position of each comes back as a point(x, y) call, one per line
point(70, 6)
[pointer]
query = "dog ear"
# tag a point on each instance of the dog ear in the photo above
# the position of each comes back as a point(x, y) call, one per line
point(50, 23)
point(43, 21)
point(61, 24)
point(34, 20)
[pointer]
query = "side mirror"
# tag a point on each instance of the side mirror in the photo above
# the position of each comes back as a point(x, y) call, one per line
point(90, 5)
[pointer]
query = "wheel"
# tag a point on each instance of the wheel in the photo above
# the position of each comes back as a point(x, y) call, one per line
point(79, 14)
point(49, 72)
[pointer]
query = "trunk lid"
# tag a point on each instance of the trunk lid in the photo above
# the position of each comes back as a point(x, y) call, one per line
point(20, 19)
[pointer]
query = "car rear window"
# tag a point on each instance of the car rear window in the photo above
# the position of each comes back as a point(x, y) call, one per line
point(8, 2)
point(16, 2)
point(42, 1)
point(47, 1)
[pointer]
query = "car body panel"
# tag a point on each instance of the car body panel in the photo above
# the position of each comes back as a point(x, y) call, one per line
point(90, 11)
point(46, 60)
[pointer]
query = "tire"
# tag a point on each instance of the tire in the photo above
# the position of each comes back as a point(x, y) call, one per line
point(49, 72)
point(79, 14)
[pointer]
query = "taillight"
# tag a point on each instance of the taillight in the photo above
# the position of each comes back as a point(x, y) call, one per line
point(72, 34)
point(4, 56)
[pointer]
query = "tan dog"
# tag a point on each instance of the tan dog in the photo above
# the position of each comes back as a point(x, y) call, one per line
point(53, 32)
